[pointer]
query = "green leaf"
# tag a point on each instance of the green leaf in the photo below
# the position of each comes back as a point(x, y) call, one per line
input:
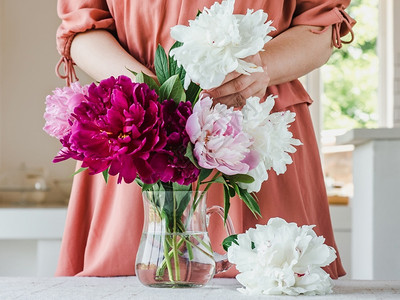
point(147, 187)
point(173, 64)
point(232, 191)
point(227, 203)
point(139, 181)
point(193, 92)
point(182, 200)
point(204, 173)
point(189, 155)
point(144, 78)
point(229, 240)
point(172, 206)
point(172, 89)
point(181, 187)
point(251, 203)
point(105, 175)
point(133, 72)
point(80, 170)
point(152, 193)
point(161, 65)
point(240, 178)
point(219, 179)
point(248, 199)
point(166, 217)
point(139, 77)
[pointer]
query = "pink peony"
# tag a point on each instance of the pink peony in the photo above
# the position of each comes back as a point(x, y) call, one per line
point(219, 140)
point(59, 107)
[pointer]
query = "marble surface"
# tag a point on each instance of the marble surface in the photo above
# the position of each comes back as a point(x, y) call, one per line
point(359, 136)
point(130, 288)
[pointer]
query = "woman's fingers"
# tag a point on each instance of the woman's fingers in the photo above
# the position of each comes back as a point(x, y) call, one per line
point(236, 88)
point(231, 76)
point(235, 85)
point(239, 99)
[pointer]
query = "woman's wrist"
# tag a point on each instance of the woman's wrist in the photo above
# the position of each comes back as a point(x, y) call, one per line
point(296, 52)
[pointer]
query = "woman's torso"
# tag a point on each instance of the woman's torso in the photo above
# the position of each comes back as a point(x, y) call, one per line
point(142, 25)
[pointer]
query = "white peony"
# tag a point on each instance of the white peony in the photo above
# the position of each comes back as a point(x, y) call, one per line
point(282, 258)
point(272, 139)
point(217, 41)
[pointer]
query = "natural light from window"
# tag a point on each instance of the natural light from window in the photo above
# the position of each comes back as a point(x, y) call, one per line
point(349, 97)
point(350, 78)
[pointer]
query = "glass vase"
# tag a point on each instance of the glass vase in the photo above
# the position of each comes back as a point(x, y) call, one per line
point(175, 249)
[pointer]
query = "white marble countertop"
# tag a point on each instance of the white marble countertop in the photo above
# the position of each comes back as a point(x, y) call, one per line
point(359, 136)
point(129, 288)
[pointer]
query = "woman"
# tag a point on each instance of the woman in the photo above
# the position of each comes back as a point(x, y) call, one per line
point(106, 38)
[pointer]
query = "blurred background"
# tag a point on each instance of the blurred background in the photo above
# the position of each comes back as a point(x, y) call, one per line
point(356, 94)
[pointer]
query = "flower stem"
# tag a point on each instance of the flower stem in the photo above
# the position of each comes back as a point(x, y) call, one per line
point(168, 256)
point(174, 244)
point(189, 249)
point(207, 246)
point(168, 261)
point(176, 259)
point(202, 250)
point(197, 201)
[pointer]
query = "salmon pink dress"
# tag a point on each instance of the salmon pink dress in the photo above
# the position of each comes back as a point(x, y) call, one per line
point(104, 221)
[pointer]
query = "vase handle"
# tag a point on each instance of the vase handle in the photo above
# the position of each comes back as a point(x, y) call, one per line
point(222, 263)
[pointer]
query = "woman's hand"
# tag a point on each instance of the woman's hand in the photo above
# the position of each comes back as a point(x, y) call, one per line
point(288, 56)
point(236, 87)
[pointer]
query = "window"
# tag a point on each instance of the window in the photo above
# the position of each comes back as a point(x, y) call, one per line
point(350, 78)
point(346, 94)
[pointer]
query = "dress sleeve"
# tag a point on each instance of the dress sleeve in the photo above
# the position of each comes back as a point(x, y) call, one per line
point(78, 16)
point(325, 13)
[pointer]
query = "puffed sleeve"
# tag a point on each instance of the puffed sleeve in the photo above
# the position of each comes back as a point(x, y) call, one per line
point(325, 13)
point(78, 16)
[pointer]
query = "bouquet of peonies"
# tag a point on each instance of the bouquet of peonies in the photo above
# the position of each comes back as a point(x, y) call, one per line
point(161, 133)
point(166, 137)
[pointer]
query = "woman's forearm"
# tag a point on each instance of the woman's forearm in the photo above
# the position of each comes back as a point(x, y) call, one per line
point(296, 52)
point(100, 55)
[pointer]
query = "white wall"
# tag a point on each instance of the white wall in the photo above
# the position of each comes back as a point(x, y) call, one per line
point(396, 46)
point(1, 73)
point(27, 60)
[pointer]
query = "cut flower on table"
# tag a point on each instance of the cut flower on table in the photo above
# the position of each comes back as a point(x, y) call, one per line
point(281, 258)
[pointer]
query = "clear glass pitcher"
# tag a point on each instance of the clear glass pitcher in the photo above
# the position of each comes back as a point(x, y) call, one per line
point(175, 248)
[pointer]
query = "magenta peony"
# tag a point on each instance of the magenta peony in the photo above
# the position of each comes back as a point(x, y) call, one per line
point(219, 140)
point(59, 107)
point(118, 127)
point(171, 162)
